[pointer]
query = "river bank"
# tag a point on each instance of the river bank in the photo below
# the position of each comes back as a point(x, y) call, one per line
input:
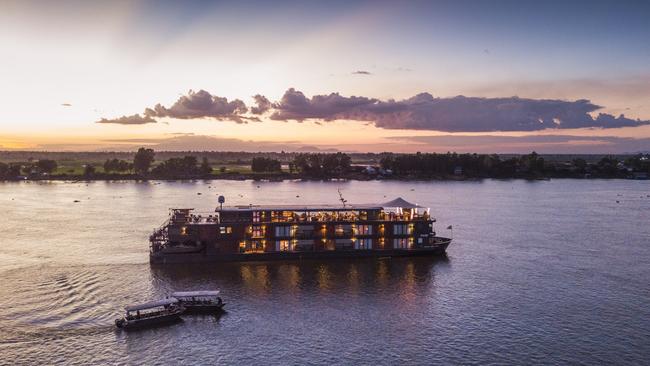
point(280, 177)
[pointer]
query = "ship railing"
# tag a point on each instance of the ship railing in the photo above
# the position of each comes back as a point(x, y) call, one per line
point(158, 239)
point(326, 219)
point(199, 219)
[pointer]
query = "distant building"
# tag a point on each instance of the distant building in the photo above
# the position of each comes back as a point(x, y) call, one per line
point(458, 170)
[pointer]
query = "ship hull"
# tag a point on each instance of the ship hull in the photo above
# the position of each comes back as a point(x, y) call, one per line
point(148, 322)
point(440, 249)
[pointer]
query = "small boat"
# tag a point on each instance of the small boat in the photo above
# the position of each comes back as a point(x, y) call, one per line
point(151, 313)
point(199, 301)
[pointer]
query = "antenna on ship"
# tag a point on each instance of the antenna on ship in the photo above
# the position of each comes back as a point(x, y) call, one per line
point(221, 199)
point(343, 200)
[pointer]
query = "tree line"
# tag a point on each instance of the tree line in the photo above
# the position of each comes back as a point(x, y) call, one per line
point(43, 166)
point(429, 165)
point(339, 165)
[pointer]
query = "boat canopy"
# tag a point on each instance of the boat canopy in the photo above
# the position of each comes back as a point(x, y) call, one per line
point(401, 203)
point(184, 294)
point(151, 304)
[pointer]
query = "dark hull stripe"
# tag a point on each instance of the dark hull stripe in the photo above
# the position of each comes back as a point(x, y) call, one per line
point(438, 250)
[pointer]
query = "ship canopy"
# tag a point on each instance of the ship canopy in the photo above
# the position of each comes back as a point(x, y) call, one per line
point(184, 294)
point(399, 202)
point(396, 203)
point(151, 304)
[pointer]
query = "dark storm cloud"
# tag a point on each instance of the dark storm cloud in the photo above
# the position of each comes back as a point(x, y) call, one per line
point(456, 114)
point(263, 104)
point(361, 72)
point(201, 104)
point(135, 119)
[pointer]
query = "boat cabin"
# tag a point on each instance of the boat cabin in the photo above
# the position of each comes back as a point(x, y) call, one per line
point(199, 301)
point(150, 309)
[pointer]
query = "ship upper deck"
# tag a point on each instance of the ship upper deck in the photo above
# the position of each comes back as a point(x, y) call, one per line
point(299, 208)
point(395, 210)
point(398, 203)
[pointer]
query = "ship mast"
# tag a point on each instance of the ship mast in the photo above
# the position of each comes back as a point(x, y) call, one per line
point(343, 200)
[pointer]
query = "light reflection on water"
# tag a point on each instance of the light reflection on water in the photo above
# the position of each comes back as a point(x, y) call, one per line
point(552, 272)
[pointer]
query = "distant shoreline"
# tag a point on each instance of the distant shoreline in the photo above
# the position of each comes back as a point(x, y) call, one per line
point(276, 178)
point(146, 164)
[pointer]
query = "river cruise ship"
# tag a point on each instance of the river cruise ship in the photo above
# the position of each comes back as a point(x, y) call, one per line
point(244, 233)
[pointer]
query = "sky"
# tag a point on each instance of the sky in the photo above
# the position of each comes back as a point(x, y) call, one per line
point(403, 76)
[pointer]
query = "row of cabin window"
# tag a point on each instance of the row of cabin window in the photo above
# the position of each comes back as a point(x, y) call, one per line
point(280, 231)
point(361, 244)
point(258, 216)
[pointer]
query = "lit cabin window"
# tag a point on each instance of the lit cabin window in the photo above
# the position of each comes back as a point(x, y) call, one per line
point(283, 245)
point(257, 246)
point(225, 230)
point(338, 230)
point(257, 231)
point(343, 230)
point(256, 216)
point(364, 229)
point(184, 230)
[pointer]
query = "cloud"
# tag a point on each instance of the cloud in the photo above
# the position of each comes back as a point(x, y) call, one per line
point(361, 72)
point(263, 104)
point(135, 119)
point(456, 114)
point(295, 106)
point(201, 104)
point(420, 112)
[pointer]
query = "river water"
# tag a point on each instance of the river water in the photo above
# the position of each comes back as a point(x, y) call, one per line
point(550, 272)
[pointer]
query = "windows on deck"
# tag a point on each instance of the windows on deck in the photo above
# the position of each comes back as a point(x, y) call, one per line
point(284, 231)
point(343, 230)
point(403, 229)
point(252, 246)
point(257, 231)
point(364, 230)
point(363, 244)
point(284, 245)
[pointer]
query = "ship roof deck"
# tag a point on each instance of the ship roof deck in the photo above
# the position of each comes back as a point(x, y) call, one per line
point(396, 203)
point(301, 208)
